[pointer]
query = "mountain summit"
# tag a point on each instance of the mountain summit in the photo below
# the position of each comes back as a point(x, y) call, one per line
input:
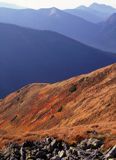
point(54, 12)
point(103, 8)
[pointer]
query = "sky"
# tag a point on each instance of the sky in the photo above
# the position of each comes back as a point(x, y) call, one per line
point(62, 4)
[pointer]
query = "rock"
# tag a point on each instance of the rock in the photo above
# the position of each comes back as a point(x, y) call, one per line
point(111, 153)
point(1, 156)
point(28, 144)
point(41, 154)
point(49, 156)
point(52, 149)
point(95, 143)
point(73, 150)
point(23, 153)
point(61, 153)
point(91, 143)
point(54, 143)
point(65, 146)
point(56, 158)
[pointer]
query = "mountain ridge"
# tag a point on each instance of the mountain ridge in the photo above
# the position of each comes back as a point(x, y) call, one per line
point(41, 20)
point(69, 109)
point(94, 13)
point(31, 55)
point(56, 20)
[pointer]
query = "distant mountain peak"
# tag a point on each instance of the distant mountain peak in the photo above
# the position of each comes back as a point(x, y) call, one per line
point(81, 7)
point(101, 7)
point(95, 4)
point(54, 8)
point(98, 5)
point(54, 11)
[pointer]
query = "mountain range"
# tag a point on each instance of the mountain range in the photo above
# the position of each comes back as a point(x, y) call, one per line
point(53, 19)
point(44, 56)
point(94, 13)
point(80, 107)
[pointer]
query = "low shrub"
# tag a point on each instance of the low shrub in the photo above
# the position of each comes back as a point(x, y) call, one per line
point(73, 88)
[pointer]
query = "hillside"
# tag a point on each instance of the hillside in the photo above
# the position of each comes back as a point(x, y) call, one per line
point(83, 106)
point(28, 56)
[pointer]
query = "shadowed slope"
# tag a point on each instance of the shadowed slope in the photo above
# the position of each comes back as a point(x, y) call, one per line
point(28, 56)
point(69, 109)
point(51, 19)
point(106, 37)
point(56, 20)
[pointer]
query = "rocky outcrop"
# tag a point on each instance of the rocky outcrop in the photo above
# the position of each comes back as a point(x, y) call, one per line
point(53, 149)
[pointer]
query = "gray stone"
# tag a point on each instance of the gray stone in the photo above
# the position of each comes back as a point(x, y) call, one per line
point(61, 153)
point(111, 153)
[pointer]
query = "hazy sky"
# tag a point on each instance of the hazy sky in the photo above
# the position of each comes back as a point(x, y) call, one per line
point(58, 3)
